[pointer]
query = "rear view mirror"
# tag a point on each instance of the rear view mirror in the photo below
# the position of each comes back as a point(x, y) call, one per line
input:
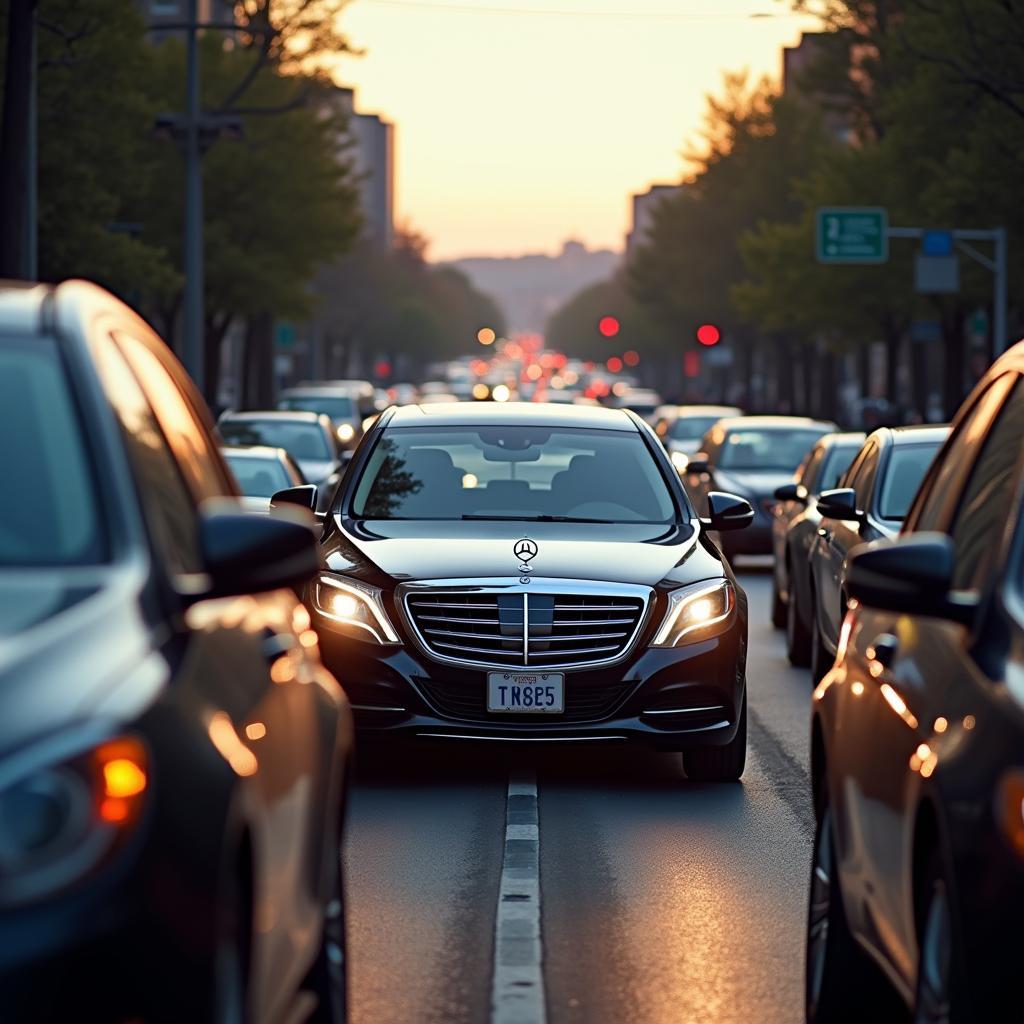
point(840, 503)
point(909, 574)
point(303, 496)
point(246, 554)
point(790, 492)
point(728, 512)
point(698, 463)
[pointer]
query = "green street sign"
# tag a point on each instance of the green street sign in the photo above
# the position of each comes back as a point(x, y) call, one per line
point(852, 234)
point(284, 334)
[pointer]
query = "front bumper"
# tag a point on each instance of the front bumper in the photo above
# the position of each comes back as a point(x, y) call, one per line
point(665, 698)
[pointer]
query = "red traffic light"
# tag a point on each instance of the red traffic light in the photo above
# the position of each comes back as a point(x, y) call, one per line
point(708, 334)
point(608, 326)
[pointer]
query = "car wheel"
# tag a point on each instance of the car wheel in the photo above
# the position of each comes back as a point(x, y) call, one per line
point(821, 661)
point(719, 764)
point(939, 998)
point(327, 979)
point(841, 985)
point(798, 637)
point(778, 605)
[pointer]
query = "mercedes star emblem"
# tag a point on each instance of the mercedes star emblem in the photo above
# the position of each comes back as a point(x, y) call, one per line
point(524, 550)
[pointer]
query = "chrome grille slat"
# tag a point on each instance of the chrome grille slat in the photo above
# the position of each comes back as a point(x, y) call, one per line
point(507, 627)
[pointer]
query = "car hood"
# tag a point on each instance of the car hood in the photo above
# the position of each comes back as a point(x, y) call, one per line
point(316, 470)
point(757, 483)
point(73, 652)
point(423, 550)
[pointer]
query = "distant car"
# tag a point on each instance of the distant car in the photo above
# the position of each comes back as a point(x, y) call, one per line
point(172, 752)
point(642, 401)
point(437, 397)
point(917, 746)
point(751, 456)
point(346, 403)
point(403, 394)
point(870, 503)
point(795, 528)
point(435, 387)
point(261, 472)
point(307, 437)
point(682, 427)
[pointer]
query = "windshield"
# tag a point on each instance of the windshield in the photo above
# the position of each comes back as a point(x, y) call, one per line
point(778, 450)
point(338, 407)
point(837, 462)
point(299, 440)
point(515, 473)
point(52, 517)
point(258, 477)
point(903, 475)
point(691, 428)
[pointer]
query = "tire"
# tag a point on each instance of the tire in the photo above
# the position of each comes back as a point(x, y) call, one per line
point(328, 977)
point(841, 985)
point(719, 764)
point(940, 989)
point(821, 660)
point(798, 637)
point(778, 605)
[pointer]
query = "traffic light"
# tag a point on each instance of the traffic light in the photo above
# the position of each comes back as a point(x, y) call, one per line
point(608, 326)
point(708, 334)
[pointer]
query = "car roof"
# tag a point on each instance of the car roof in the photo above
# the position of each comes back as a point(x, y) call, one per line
point(849, 437)
point(339, 390)
point(256, 451)
point(772, 422)
point(924, 433)
point(285, 415)
point(511, 413)
point(707, 410)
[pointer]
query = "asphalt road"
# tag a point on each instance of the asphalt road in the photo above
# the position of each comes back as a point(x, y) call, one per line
point(660, 900)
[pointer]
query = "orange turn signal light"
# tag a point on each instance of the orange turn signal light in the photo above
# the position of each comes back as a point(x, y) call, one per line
point(123, 777)
point(1010, 808)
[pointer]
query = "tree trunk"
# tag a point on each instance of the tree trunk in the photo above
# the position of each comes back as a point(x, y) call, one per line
point(919, 381)
point(258, 381)
point(893, 351)
point(14, 140)
point(954, 349)
point(213, 349)
point(783, 375)
point(826, 404)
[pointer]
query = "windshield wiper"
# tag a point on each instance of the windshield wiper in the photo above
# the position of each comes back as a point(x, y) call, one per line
point(539, 519)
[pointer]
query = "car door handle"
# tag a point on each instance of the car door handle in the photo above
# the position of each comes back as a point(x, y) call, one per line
point(884, 649)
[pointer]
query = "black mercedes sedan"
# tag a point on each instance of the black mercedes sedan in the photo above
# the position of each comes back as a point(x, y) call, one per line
point(172, 751)
point(870, 503)
point(917, 884)
point(751, 456)
point(533, 573)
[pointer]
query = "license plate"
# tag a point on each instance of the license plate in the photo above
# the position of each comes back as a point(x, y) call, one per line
point(526, 692)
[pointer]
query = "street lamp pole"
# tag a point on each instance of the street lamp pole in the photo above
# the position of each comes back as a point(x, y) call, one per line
point(193, 327)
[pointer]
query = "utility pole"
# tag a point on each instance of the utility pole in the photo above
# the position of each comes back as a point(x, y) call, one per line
point(194, 320)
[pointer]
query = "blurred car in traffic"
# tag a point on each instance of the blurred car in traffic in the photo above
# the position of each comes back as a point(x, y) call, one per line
point(308, 437)
point(347, 403)
point(261, 472)
point(172, 752)
point(918, 745)
point(643, 401)
point(439, 397)
point(795, 528)
point(751, 456)
point(682, 427)
point(403, 394)
point(870, 502)
point(533, 572)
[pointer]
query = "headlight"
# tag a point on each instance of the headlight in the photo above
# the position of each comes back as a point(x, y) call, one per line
point(346, 432)
point(680, 461)
point(696, 613)
point(356, 605)
point(59, 821)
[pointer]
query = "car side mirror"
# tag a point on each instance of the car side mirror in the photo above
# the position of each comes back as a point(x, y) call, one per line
point(791, 492)
point(728, 512)
point(245, 554)
point(909, 574)
point(303, 496)
point(698, 463)
point(840, 503)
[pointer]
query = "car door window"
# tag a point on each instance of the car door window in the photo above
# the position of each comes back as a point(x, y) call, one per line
point(807, 474)
point(864, 477)
point(167, 505)
point(193, 449)
point(945, 480)
point(978, 523)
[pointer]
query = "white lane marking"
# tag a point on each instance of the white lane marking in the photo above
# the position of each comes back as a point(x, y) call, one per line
point(517, 991)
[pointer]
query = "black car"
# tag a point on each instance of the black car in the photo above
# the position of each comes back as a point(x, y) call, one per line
point(346, 403)
point(795, 524)
point(751, 456)
point(172, 751)
point(870, 503)
point(918, 746)
point(533, 572)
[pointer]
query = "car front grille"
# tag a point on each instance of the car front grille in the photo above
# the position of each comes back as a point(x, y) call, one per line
point(514, 629)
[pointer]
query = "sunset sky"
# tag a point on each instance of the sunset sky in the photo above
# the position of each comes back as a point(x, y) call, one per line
point(521, 123)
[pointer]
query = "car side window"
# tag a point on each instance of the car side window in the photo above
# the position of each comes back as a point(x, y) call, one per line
point(977, 524)
point(169, 510)
point(193, 449)
point(807, 474)
point(861, 481)
point(946, 478)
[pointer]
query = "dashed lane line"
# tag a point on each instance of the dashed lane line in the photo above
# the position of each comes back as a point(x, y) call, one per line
point(517, 991)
